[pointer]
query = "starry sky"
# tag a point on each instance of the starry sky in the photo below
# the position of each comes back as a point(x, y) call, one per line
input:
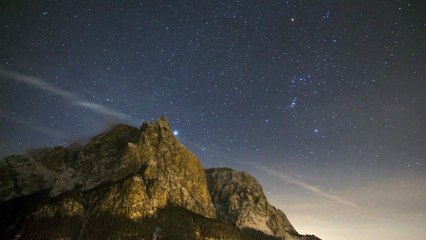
point(324, 102)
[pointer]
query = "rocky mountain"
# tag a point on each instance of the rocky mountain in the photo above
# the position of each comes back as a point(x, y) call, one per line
point(131, 183)
point(240, 202)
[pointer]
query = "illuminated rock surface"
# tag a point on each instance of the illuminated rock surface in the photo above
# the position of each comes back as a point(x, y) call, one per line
point(131, 183)
point(240, 201)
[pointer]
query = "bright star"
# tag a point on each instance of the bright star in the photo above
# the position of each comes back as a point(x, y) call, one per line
point(175, 132)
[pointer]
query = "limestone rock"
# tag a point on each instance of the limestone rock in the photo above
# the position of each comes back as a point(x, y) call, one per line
point(130, 183)
point(160, 168)
point(240, 201)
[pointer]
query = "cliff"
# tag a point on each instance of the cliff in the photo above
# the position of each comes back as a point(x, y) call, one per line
point(131, 183)
point(240, 202)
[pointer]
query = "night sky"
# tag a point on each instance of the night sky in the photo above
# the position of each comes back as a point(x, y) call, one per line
point(324, 102)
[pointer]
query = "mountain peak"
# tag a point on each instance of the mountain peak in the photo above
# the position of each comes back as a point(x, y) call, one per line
point(125, 181)
point(153, 152)
point(240, 201)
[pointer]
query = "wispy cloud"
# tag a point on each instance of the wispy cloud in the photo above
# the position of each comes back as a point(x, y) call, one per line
point(69, 96)
point(307, 186)
point(314, 189)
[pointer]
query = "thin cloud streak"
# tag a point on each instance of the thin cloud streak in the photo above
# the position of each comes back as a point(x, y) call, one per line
point(306, 186)
point(71, 97)
point(314, 189)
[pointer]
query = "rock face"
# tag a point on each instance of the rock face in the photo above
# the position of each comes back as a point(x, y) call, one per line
point(131, 183)
point(160, 169)
point(240, 201)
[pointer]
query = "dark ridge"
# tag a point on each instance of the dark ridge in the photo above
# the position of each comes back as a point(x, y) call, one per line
point(171, 222)
point(14, 211)
point(221, 169)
